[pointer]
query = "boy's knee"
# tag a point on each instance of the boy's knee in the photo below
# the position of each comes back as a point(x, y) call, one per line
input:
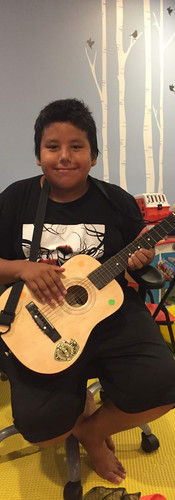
point(54, 441)
point(43, 424)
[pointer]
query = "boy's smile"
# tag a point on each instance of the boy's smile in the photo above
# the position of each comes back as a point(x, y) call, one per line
point(65, 158)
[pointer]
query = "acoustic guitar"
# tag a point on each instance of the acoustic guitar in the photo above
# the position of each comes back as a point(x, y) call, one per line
point(49, 339)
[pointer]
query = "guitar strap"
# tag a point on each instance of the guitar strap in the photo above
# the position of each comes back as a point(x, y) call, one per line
point(7, 316)
point(103, 190)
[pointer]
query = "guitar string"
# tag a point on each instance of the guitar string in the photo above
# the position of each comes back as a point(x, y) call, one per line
point(123, 255)
point(79, 294)
point(117, 259)
point(53, 309)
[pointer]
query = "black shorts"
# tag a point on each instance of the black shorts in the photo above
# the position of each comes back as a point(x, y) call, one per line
point(128, 355)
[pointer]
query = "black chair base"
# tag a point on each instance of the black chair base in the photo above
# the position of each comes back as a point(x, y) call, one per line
point(73, 491)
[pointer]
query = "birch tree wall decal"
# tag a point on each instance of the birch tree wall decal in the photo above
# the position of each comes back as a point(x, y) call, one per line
point(147, 127)
point(122, 58)
point(160, 122)
point(102, 90)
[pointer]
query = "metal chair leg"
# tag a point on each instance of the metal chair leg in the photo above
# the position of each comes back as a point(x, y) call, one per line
point(73, 489)
point(7, 432)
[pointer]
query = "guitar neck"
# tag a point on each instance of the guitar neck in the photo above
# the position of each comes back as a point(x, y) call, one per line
point(105, 273)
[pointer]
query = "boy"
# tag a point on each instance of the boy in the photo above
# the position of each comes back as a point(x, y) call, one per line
point(125, 351)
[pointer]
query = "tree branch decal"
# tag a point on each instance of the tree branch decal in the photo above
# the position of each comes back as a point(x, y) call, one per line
point(122, 58)
point(103, 90)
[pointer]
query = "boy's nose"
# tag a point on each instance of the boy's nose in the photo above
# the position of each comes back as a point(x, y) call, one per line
point(65, 153)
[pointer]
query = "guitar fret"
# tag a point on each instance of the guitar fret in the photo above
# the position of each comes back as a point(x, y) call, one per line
point(149, 242)
point(120, 260)
point(160, 232)
point(168, 226)
point(118, 263)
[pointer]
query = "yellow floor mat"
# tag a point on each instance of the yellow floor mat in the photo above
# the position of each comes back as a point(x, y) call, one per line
point(164, 329)
point(28, 473)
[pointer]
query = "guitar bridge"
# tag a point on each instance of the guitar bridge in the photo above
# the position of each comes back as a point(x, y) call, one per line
point(42, 322)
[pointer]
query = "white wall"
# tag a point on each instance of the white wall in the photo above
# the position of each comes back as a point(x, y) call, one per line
point(43, 58)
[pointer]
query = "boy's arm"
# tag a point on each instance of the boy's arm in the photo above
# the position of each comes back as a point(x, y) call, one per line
point(42, 279)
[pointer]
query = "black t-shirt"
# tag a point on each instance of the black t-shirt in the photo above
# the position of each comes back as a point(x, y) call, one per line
point(92, 224)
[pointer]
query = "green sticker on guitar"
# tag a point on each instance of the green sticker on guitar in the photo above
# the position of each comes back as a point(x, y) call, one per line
point(111, 302)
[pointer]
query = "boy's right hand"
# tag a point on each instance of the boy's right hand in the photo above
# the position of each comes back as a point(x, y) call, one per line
point(43, 281)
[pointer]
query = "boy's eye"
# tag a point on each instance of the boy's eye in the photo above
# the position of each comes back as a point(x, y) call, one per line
point(76, 146)
point(52, 146)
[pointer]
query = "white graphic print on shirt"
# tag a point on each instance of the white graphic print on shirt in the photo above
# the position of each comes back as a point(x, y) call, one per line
point(60, 242)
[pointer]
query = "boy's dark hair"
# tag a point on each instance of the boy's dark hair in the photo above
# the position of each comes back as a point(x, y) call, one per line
point(67, 110)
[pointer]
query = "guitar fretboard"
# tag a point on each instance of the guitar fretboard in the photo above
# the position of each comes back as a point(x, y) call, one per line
point(105, 273)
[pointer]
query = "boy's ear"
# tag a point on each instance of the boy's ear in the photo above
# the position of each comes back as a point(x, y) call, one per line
point(93, 161)
point(38, 162)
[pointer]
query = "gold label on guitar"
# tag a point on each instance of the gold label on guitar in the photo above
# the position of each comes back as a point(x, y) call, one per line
point(66, 351)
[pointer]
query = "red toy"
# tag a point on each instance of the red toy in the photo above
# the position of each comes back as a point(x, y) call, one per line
point(153, 206)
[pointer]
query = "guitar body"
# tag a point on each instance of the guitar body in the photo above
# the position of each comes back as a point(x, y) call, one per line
point(73, 320)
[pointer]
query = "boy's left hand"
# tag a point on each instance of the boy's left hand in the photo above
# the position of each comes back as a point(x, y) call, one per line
point(142, 257)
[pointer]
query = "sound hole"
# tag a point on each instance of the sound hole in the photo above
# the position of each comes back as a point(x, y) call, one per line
point(76, 296)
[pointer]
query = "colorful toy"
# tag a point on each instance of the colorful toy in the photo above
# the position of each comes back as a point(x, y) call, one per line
point(153, 206)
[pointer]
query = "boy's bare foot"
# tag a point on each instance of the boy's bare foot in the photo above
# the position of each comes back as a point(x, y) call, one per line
point(110, 444)
point(105, 462)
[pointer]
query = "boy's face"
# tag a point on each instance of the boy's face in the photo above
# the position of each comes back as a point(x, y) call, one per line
point(65, 156)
